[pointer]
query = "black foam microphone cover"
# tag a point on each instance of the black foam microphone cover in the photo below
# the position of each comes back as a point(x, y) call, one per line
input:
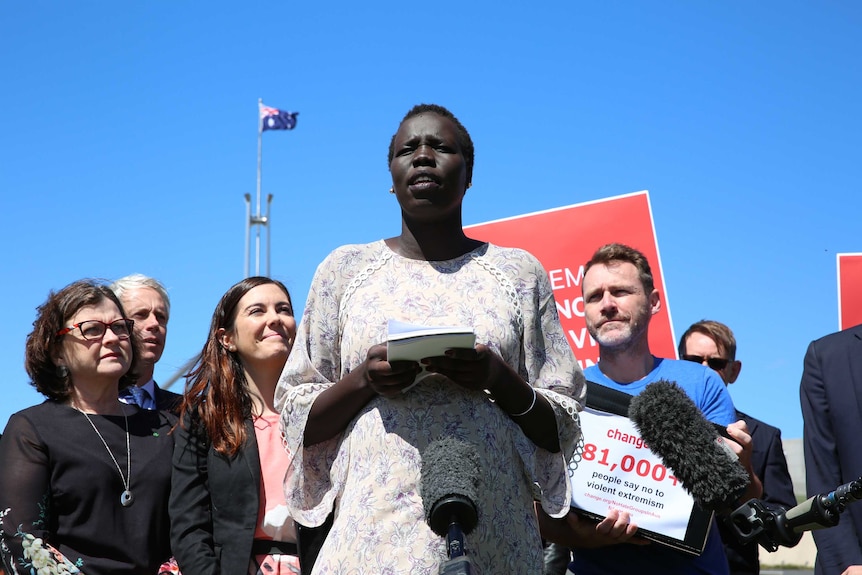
point(449, 484)
point(678, 433)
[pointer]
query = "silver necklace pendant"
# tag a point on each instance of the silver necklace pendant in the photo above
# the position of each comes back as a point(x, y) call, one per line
point(126, 499)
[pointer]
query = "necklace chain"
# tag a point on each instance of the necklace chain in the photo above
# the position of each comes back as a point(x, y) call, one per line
point(127, 480)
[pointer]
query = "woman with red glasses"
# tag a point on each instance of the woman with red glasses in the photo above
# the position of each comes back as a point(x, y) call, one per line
point(84, 478)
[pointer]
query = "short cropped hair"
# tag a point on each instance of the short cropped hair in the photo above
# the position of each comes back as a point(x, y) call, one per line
point(714, 330)
point(137, 281)
point(620, 252)
point(465, 142)
point(43, 341)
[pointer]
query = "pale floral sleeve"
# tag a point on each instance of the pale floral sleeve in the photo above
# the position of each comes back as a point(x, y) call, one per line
point(314, 365)
point(550, 366)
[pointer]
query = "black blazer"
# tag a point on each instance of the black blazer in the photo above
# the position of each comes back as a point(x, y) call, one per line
point(167, 400)
point(213, 505)
point(831, 397)
point(770, 465)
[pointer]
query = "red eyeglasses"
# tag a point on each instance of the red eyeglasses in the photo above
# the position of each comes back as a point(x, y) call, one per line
point(94, 329)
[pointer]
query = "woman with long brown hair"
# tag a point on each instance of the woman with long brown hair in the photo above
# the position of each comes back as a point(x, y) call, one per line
point(227, 506)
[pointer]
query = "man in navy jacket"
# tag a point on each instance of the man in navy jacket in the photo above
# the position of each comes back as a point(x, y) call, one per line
point(831, 396)
point(712, 343)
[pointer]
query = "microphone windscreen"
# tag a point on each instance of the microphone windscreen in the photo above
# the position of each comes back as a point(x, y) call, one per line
point(449, 483)
point(677, 432)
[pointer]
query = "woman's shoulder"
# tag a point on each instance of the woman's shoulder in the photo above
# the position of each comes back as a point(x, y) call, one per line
point(517, 263)
point(345, 263)
point(38, 412)
point(36, 419)
point(512, 254)
point(351, 254)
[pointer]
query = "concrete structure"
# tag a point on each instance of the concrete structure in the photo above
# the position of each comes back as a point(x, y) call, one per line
point(803, 554)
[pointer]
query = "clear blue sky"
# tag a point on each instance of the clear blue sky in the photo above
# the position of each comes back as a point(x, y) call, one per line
point(129, 136)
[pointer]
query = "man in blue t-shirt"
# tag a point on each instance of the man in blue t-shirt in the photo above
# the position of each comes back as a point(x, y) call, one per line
point(619, 300)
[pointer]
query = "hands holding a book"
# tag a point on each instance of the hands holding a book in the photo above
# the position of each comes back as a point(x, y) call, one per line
point(389, 379)
point(412, 352)
point(477, 368)
point(472, 368)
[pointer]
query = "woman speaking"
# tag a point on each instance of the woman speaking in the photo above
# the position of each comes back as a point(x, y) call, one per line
point(357, 426)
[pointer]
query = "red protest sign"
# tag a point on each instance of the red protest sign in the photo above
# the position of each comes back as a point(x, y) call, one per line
point(563, 239)
point(849, 290)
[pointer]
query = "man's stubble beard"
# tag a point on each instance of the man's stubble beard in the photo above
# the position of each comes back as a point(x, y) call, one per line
point(624, 340)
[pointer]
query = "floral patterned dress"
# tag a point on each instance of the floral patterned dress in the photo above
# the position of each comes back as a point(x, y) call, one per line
point(370, 473)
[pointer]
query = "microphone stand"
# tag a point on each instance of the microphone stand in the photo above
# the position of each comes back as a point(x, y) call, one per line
point(458, 562)
point(451, 512)
point(771, 527)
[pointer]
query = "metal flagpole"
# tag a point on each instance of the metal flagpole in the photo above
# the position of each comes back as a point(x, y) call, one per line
point(247, 231)
point(256, 219)
point(268, 232)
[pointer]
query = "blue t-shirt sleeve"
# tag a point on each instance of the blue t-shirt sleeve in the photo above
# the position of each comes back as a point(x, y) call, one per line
point(716, 403)
point(593, 373)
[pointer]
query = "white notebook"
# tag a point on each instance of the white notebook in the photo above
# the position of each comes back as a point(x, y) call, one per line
point(413, 342)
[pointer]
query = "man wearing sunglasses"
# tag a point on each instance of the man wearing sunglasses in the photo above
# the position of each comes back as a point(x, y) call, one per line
point(712, 344)
point(145, 300)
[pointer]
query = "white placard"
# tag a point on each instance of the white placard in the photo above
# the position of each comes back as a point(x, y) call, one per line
point(617, 470)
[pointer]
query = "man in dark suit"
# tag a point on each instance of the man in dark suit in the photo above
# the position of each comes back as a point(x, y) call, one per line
point(145, 300)
point(831, 397)
point(712, 343)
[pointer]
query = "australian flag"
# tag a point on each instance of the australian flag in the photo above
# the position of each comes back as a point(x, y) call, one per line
point(275, 119)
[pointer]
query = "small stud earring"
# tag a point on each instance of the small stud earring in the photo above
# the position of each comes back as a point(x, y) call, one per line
point(469, 185)
point(392, 190)
point(232, 348)
point(62, 371)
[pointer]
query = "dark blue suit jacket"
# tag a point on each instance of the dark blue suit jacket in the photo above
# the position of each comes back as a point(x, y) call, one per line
point(168, 400)
point(770, 466)
point(831, 396)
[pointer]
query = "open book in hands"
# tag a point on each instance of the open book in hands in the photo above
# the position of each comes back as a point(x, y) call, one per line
point(413, 342)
